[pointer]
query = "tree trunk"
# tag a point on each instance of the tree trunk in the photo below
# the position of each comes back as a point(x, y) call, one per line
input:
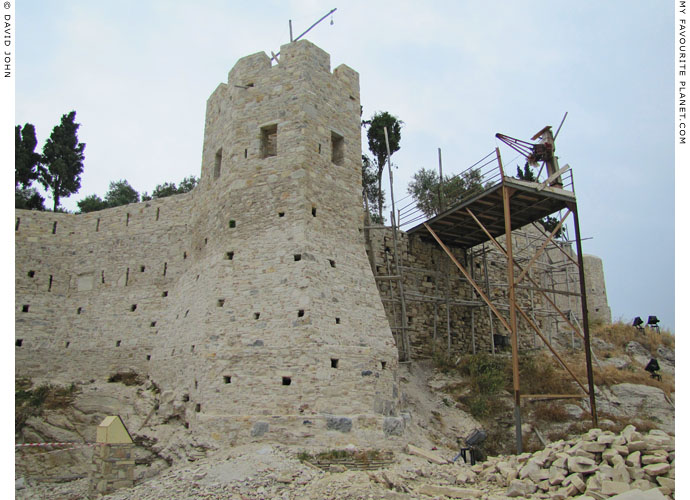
point(380, 200)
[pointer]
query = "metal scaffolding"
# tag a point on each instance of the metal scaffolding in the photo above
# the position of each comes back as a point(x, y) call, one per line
point(498, 206)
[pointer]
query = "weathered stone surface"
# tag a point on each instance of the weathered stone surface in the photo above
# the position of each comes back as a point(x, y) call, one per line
point(520, 488)
point(449, 491)
point(393, 426)
point(576, 480)
point(614, 487)
point(653, 494)
point(581, 464)
point(342, 424)
point(429, 455)
point(656, 469)
point(259, 429)
point(633, 459)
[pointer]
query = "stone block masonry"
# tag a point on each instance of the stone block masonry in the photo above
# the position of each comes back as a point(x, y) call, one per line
point(251, 297)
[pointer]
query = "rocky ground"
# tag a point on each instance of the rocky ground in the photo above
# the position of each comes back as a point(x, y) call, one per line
point(599, 465)
point(611, 462)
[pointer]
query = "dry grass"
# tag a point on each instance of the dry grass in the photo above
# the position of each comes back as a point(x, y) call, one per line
point(620, 334)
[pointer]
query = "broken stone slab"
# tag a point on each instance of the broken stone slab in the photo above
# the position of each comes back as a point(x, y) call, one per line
point(393, 426)
point(556, 476)
point(633, 460)
point(642, 484)
point(637, 446)
point(465, 476)
point(653, 459)
point(594, 447)
point(653, 494)
point(581, 464)
point(614, 487)
point(538, 475)
point(520, 488)
point(428, 455)
point(528, 469)
point(449, 491)
point(654, 470)
point(576, 480)
point(609, 455)
point(620, 473)
point(666, 482)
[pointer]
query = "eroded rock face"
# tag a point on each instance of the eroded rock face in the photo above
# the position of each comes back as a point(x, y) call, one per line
point(639, 401)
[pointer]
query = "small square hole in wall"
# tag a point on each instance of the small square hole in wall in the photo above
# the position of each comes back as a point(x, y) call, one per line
point(197, 408)
point(133, 307)
point(148, 357)
point(257, 315)
point(164, 294)
point(337, 321)
point(287, 380)
point(205, 241)
point(334, 363)
point(220, 303)
point(331, 262)
point(142, 269)
point(66, 345)
point(184, 255)
point(227, 379)
point(18, 342)
point(25, 308)
point(78, 310)
point(31, 274)
point(118, 343)
point(269, 141)
point(313, 211)
point(300, 313)
point(229, 255)
point(153, 324)
point(185, 397)
point(383, 365)
point(281, 214)
point(245, 153)
point(191, 349)
point(297, 257)
point(232, 224)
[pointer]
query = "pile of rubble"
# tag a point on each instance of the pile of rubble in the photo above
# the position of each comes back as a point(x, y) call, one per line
point(599, 465)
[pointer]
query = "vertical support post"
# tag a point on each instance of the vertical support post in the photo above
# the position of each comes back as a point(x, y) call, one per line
point(474, 347)
point(290, 23)
point(398, 267)
point(585, 319)
point(488, 294)
point(513, 312)
point(440, 182)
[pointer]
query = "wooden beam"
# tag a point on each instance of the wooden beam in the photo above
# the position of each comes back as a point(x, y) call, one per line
point(538, 253)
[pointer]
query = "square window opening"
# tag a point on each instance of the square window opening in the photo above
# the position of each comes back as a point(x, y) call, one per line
point(227, 379)
point(281, 214)
point(287, 380)
point(297, 257)
point(337, 148)
point(66, 345)
point(185, 397)
point(118, 343)
point(269, 141)
point(133, 307)
point(337, 321)
point(334, 363)
point(153, 324)
point(220, 303)
point(191, 349)
point(383, 365)
point(148, 357)
point(197, 408)
point(257, 315)
point(313, 211)
point(164, 294)
point(142, 269)
point(229, 255)
point(300, 313)
point(31, 274)
point(18, 342)
point(331, 262)
point(78, 310)
point(232, 223)
point(25, 308)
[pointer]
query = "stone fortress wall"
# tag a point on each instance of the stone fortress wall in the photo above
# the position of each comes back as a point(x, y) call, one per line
point(249, 299)
point(444, 313)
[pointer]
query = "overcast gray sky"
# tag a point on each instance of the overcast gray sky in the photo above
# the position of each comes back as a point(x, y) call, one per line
point(138, 73)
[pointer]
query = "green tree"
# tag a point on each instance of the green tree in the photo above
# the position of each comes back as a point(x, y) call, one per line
point(527, 174)
point(26, 168)
point(370, 192)
point(63, 160)
point(187, 184)
point(91, 203)
point(121, 193)
point(170, 189)
point(377, 145)
point(425, 189)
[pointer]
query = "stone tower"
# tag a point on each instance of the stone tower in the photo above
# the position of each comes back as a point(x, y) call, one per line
point(249, 300)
